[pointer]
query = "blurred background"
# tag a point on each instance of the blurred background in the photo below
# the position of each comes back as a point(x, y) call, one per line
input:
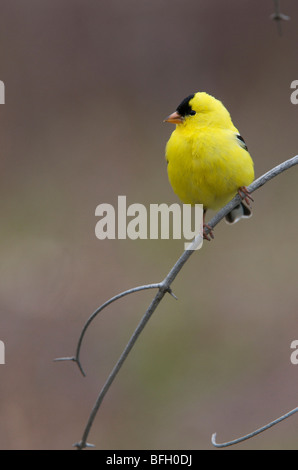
point(87, 86)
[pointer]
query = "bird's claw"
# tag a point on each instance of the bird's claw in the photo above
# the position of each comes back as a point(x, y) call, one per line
point(245, 195)
point(209, 235)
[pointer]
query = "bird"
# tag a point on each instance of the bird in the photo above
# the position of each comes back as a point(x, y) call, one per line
point(208, 161)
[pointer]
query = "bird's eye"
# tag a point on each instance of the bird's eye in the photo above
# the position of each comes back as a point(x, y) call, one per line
point(192, 113)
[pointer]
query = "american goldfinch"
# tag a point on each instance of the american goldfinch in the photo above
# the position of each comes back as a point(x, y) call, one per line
point(208, 161)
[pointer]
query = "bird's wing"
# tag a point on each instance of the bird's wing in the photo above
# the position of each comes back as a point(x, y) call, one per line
point(241, 141)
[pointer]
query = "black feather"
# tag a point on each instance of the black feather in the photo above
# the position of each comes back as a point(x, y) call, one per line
point(184, 108)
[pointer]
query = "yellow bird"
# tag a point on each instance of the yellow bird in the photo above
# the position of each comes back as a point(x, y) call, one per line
point(208, 161)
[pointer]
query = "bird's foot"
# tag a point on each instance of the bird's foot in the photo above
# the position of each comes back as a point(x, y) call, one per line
point(208, 232)
point(245, 195)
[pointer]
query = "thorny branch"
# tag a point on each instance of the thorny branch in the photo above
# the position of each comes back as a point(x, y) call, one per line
point(278, 17)
point(163, 288)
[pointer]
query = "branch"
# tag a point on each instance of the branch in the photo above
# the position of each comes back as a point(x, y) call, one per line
point(278, 16)
point(163, 288)
point(254, 433)
point(76, 358)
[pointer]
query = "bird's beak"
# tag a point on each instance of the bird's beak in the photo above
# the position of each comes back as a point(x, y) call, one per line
point(175, 118)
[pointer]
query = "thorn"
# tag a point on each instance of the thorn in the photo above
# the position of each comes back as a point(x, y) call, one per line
point(60, 359)
point(279, 17)
point(169, 290)
point(82, 445)
point(73, 359)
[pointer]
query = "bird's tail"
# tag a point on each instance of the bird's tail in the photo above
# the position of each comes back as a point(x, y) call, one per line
point(242, 210)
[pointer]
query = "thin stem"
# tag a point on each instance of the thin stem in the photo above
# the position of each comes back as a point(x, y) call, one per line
point(97, 311)
point(117, 367)
point(254, 433)
point(76, 358)
point(278, 16)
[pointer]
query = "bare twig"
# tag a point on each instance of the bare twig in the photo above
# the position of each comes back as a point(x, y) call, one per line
point(163, 288)
point(278, 16)
point(76, 358)
point(254, 433)
point(129, 346)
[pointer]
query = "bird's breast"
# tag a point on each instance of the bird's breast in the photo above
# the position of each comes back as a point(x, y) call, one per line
point(207, 169)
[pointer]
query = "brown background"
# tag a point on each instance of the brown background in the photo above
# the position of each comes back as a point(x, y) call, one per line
point(88, 84)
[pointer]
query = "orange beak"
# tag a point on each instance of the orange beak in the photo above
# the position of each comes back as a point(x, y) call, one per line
point(175, 118)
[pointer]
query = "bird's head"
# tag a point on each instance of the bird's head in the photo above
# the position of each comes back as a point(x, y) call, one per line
point(198, 108)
